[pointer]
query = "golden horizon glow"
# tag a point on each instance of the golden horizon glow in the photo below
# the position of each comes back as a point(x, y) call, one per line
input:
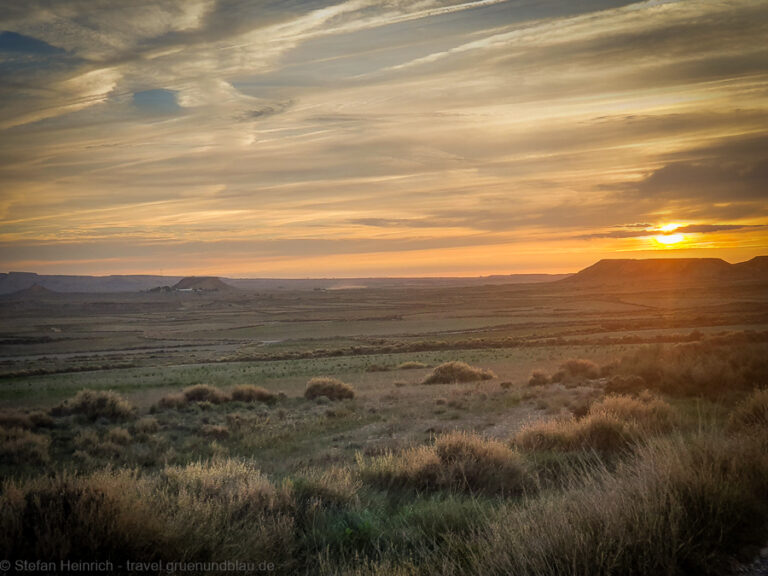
point(352, 138)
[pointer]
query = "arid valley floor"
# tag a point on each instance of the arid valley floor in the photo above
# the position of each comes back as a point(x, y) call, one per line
point(610, 423)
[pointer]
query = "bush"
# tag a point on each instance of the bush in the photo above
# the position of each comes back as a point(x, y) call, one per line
point(576, 369)
point(601, 432)
point(538, 378)
point(377, 368)
point(146, 425)
point(106, 516)
point(680, 506)
point(172, 401)
point(632, 384)
point(15, 419)
point(94, 404)
point(202, 511)
point(250, 393)
point(330, 388)
point(19, 446)
point(119, 436)
point(457, 461)
point(648, 412)
point(205, 393)
point(752, 412)
point(410, 365)
point(451, 372)
point(698, 369)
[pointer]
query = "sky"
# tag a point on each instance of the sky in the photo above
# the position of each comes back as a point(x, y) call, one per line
point(379, 137)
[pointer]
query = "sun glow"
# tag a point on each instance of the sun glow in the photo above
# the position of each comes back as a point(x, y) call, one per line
point(670, 227)
point(669, 239)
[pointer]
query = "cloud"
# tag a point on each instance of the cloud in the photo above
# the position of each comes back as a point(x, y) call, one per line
point(376, 121)
point(688, 229)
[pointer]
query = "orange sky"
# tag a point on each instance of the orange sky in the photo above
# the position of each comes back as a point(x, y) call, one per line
point(372, 138)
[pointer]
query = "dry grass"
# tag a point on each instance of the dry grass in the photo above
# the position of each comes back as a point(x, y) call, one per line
point(331, 388)
point(609, 425)
point(15, 419)
point(457, 461)
point(250, 393)
point(119, 436)
point(751, 413)
point(601, 432)
point(454, 372)
point(410, 365)
point(650, 413)
point(631, 384)
point(94, 404)
point(146, 425)
point(679, 507)
point(576, 370)
point(698, 369)
point(538, 378)
point(205, 393)
point(19, 446)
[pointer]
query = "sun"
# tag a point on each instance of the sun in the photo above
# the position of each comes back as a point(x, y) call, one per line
point(669, 239)
point(670, 227)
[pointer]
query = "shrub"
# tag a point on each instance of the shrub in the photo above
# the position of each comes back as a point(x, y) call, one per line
point(41, 419)
point(680, 506)
point(505, 385)
point(170, 401)
point(576, 369)
point(19, 446)
point(451, 372)
point(457, 461)
point(410, 365)
point(698, 369)
point(94, 404)
point(538, 378)
point(197, 512)
point(15, 419)
point(106, 516)
point(648, 412)
point(602, 432)
point(205, 393)
point(215, 431)
point(146, 425)
point(330, 388)
point(250, 393)
point(333, 487)
point(377, 368)
point(119, 436)
point(751, 412)
point(632, 384)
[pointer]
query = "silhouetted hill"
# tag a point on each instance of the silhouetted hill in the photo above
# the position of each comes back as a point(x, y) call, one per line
point(669, 270)
point(202, 283)
point(34, 292)
point(15, 281)
point(756, 268)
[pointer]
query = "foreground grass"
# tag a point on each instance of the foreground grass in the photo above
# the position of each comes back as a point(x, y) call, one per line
point(677, 505)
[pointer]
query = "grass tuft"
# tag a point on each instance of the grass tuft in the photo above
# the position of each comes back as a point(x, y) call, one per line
point(19, 446)
point(331, 388)
point(457, 461)
point(94, 404)
point(452, 372)
point(250, 393)
point(751, 412)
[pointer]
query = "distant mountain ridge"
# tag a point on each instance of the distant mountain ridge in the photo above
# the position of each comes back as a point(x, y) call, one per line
point(16, 281)
point(612, 272)
point(202, 283)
